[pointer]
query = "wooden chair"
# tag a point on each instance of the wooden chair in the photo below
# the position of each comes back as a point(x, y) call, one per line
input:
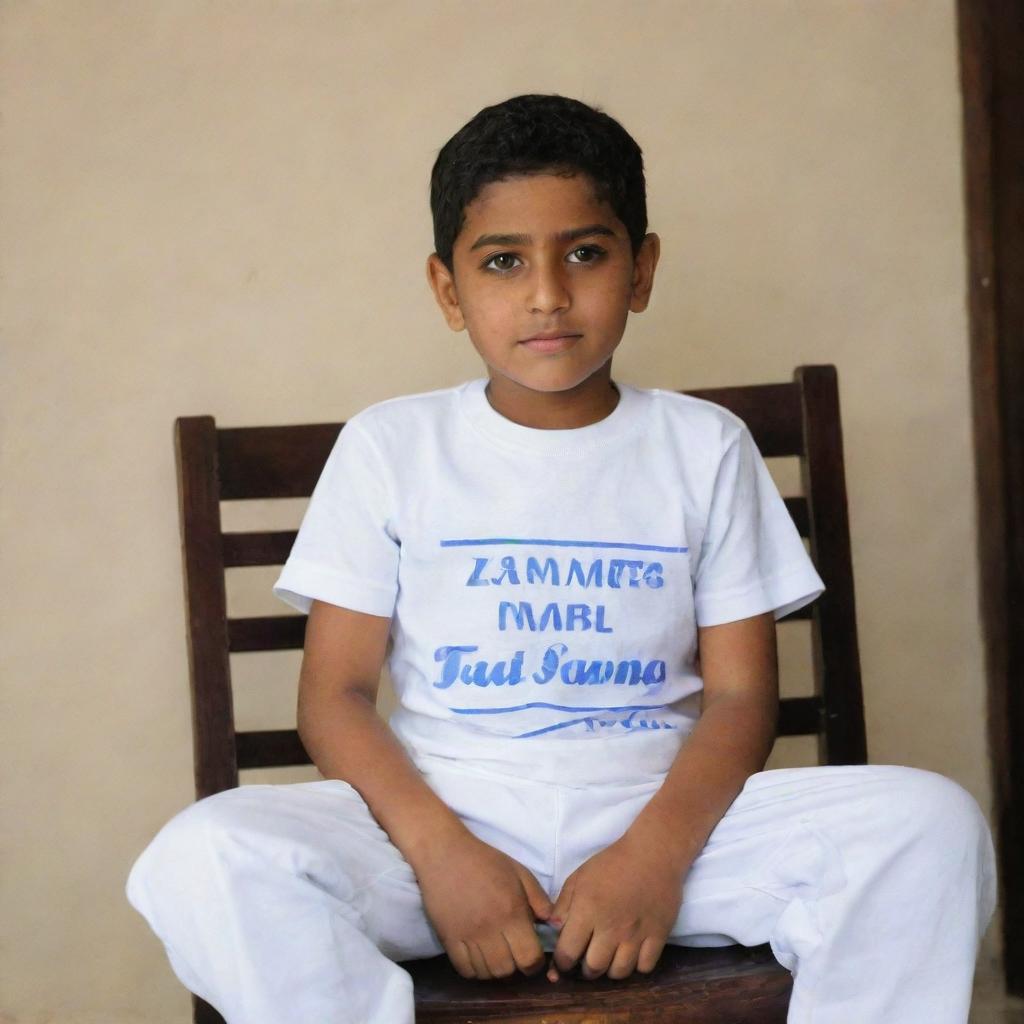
point(727, 984)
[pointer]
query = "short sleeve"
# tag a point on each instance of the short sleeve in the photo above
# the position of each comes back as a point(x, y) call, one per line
point(752, 559)
point(346, 551)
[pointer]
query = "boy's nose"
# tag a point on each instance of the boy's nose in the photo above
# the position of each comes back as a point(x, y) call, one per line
point(549, 292)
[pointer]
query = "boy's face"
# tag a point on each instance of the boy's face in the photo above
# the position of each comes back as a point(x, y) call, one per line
point(539, 255)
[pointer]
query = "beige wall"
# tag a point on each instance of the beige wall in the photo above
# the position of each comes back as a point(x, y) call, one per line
point(221, 208)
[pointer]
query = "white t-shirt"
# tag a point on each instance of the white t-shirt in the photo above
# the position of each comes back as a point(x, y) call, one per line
point(545, 586)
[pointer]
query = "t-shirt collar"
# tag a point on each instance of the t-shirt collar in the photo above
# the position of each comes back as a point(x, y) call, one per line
point(620, 423)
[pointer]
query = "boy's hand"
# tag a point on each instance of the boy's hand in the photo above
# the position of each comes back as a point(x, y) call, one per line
point(482, 904)
point(618, 909)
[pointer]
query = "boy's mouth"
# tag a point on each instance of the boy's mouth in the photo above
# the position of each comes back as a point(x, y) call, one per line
point(550, 341)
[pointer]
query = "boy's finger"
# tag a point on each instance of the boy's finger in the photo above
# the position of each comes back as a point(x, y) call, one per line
point(540, 902)
point(624, 961)
point(650, 953)
point(572, 943)
point(526, 949)
point(480, 969)
point(560, 910)
point(498, 956)
point(458, 953)
point(598, 957)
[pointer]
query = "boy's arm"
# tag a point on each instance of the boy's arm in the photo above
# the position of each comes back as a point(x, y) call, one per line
point(731, 741)
point(623, 927)
point(346, 737)
point(481, 902)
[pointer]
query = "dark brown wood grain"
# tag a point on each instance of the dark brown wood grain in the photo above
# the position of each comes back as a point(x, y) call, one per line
point(257, 548)
point(267, 633)
point(721, 985)
point(834, 638)
point(270, 748)
point(273, 462)
point(801, 716)
point(800, 418)
point(800, 514)
point(770, 411)
point(991, 37)
point(213, 724)
point(695, 986)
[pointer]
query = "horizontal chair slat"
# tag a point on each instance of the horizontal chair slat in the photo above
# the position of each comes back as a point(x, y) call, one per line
point(800, 716)
point(270, 748)
point(247, 549)
point(272, 547)
point(273, 462)
point(279, 748)
point(252, 466)
point(771, 411)
point(267, 633)
point(800, 514)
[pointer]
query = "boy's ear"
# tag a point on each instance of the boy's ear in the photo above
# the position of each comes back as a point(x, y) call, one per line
point(442, 283)
point(643, 272)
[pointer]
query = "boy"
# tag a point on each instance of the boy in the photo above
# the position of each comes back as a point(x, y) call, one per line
point(540, 554)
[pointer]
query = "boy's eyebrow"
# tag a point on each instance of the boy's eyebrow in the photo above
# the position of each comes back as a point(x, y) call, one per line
point(563, 236)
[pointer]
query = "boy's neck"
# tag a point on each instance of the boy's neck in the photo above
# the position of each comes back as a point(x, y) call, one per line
point(588, 403)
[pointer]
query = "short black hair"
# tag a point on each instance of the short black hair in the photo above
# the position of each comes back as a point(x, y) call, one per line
point(531, 134)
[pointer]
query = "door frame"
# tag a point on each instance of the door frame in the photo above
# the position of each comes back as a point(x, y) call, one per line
point(991, 48)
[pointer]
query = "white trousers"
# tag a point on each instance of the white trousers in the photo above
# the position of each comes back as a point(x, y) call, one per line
point(288, 904)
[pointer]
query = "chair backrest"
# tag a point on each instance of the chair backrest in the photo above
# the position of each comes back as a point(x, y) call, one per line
point(237, 463)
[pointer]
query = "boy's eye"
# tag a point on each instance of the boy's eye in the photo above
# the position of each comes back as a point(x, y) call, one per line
point(501, 261)
point(586, 253)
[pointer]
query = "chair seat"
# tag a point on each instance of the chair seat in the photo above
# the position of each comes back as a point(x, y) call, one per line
point(733, 984)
